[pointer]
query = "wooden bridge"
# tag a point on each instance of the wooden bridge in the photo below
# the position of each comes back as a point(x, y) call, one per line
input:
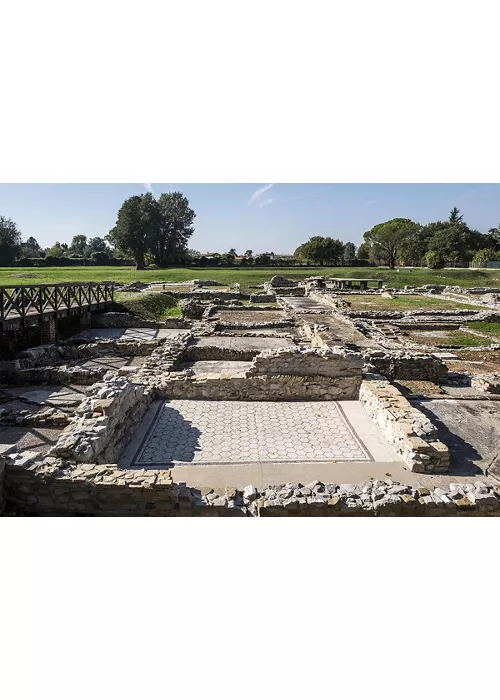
point(22, 306)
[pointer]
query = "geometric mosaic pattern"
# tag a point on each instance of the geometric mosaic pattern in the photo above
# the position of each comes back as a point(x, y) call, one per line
point(222, 432)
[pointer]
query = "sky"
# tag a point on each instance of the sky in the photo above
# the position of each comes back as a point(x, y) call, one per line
point(261, 217)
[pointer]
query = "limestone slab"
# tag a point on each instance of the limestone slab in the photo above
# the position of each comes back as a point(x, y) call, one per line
point(62, 397)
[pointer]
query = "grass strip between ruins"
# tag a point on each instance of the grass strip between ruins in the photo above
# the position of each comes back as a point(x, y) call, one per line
point(372, 302)
point(152, 306)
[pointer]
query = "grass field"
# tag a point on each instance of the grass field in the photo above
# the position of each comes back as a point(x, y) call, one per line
point(246, 276)
point(370, 302)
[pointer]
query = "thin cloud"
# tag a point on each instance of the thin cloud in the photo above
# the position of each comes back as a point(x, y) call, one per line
point(311, 192)
point(266, 202)
point(257, 195)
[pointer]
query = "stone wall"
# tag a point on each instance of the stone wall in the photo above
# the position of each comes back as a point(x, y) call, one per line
point(55, 488)
point(263, 298)
point(102, 421)
point(310, 362)
point(408, 430)
point(260, 388)
point(406, 365)
point(215, 352)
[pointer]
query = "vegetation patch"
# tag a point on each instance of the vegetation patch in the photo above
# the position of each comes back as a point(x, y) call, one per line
point(450, 339)
point(372, 302)
point(154, 307)
point(490, 328)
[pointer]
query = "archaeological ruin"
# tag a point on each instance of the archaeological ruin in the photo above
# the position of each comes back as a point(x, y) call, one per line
point(322, 397)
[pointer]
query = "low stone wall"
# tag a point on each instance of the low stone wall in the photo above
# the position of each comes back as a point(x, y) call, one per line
point(263, 298)
point(233, 326)
point(54, 488)
point(308, 362)
point(260, 388)
point(214, 352)
point(406, 365)
point(408, 430)
point(110, 410)
point(58, 375)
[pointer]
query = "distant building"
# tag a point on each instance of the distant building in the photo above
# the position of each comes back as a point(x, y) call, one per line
point(282, 257)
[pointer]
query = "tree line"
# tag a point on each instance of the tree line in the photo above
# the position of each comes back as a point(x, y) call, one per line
point(406, 242)
point(151, 231)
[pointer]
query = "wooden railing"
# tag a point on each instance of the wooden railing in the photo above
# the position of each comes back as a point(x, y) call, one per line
point(19, 302)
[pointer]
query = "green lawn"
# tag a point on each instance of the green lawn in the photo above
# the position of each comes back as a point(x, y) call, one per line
point(490, 328)
point(149, 306)
point(371, 302)
point(246, 276)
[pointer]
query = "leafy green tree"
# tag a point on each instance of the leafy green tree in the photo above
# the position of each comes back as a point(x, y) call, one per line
point(363, 252)
point(31, 249)
point(493, 238)
point(322, 250)
point(450, 242)
point(228, 258)
point(263, 259)
point(96, 245)
point(136, 226)
point(389, 239)
point(78, 245)
point(349, 253)
point(10, 241)
point(485, 255)
point(175, 228)
point(58, 250)
point(248, 253)
point(434, 260)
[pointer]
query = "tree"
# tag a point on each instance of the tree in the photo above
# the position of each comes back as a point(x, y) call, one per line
point(363, 252)
point(263, 259)
point(450, 243)
point(97, 245)
point(10, 241)
point(389, 238)
point(174, 230)
point(228, 258)
point(31, 249)
point(78, 245)
point(248, 253)
point(493, 238)
point(100, 257)
point(349, 253)
point(485, 255)
point(134, 230)
point(455, 216)
point(58, 250)
point(322, 250)
point(434, 260)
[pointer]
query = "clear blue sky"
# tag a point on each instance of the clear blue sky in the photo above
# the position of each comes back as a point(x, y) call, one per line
point(261, 217)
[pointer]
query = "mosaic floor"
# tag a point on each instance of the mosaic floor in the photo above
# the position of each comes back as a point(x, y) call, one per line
point(208, 432)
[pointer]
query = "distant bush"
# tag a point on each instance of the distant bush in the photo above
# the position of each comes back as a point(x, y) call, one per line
point(434, 260)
